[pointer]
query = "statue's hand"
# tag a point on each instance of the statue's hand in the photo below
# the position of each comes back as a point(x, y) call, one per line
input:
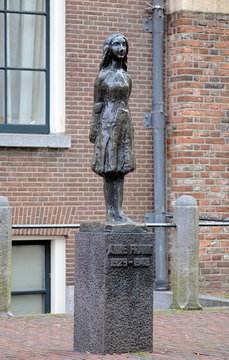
point(92, 136)
point(98, 106)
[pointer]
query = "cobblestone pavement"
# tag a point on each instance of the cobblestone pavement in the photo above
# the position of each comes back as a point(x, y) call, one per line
point(177, 335)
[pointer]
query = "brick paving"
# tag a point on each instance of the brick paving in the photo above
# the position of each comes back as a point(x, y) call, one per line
point(177, 335)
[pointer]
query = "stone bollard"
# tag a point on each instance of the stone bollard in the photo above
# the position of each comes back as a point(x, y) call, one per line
point(185, 283)
point(5, 257)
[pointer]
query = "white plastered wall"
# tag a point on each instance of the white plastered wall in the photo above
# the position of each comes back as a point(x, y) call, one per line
point(215, 6)
point(58, 281)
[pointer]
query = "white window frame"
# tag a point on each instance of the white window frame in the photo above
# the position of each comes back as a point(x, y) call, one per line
point(57, 66)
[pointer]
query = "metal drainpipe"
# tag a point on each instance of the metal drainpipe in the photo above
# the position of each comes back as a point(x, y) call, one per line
point(159, 120)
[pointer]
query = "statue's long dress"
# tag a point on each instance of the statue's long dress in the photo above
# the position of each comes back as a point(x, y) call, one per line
point(112, 124)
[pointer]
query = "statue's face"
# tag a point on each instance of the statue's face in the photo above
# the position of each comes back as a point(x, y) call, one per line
point(118, 48)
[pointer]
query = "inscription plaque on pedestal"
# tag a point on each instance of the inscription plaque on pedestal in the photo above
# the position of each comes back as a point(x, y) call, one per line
point(131, 255)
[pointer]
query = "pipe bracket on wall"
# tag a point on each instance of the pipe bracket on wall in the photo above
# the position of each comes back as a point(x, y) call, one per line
point(148, 120)
point(147, 25)
point(155, 120)
point(154, 218)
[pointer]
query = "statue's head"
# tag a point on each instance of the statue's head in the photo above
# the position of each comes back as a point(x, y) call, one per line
point(108, 52)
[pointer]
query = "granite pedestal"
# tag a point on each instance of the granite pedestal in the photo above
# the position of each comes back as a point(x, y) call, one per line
point(113, 292)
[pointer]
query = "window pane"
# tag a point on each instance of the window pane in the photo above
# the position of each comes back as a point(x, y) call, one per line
point(1, 40)
point(26, 97)
point(28, 267)
point(26, 41)
point(1, 4)
point(26, 5)
point(2, 97)
point(27, 304)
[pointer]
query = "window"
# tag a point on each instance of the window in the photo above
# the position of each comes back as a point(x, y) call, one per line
point(30, 277)
point(38, 274)
point(24, 66)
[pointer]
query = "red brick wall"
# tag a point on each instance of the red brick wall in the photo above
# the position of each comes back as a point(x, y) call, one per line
point(197, 133)
point(58, 186)
point(88, 23)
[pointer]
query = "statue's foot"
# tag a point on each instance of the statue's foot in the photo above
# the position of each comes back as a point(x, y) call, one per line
point(123, 218)
point(117, 217)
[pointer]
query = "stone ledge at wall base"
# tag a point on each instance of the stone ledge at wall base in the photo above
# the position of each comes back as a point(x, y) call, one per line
point(163, 299)
point(5, 256)
point(113, 292)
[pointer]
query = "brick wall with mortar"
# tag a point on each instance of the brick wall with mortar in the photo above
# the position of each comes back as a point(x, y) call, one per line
point(88, 23)
point(198, 132)
point(58, 186)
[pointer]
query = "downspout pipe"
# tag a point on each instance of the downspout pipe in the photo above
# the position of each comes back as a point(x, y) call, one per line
point(159, 121)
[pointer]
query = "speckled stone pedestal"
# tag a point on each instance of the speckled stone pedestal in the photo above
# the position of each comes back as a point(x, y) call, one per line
point(113, 292)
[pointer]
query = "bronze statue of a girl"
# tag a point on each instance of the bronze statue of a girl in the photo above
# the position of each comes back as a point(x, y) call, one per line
point(111, 127)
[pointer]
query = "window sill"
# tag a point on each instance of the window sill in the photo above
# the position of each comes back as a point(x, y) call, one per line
point(53, 141)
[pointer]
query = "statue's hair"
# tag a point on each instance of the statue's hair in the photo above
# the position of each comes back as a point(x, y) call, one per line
point(107, 56)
